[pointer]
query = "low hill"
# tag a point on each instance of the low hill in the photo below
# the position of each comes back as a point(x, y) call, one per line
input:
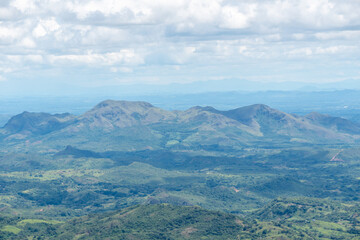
point(159, 221)
point(281, 219)
point(318, 218)
point(154, 222)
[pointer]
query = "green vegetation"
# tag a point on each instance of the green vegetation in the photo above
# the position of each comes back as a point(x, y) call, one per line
point(138, 173)
point(281, 219)
point(11, 229)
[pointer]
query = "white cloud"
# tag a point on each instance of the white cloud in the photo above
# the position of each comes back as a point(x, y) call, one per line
point(44, 27)
point(106, 35)
point(125, 56)
point(119, 36)
point(19, 59)
point(27, 43)
point(199, 11)
point(9, 33)
point(5, 70)
point(124, 11)
point(348, 35)
point(7, 14)
point(273, 37)
point(39, 31)
point(322, 50)
point(24, 5)
point(301, 52)
point(298, 36)
point(34, 58)
point(121, 69)
point(235, 17)
point(242, 49)
point(335, 49)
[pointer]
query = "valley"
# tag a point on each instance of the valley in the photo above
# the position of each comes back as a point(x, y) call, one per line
point(258, 171)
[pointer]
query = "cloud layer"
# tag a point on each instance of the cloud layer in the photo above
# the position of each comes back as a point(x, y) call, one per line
point(140, 41)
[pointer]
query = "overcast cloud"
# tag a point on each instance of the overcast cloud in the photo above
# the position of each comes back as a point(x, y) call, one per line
point(112, 42)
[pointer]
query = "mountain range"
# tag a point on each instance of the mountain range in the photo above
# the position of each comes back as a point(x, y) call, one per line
point(129, 125)
point(131, 170)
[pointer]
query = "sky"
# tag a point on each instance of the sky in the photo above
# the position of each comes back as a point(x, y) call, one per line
point(60, 47)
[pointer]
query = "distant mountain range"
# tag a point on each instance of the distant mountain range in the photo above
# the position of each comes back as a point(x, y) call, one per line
point(126, 126)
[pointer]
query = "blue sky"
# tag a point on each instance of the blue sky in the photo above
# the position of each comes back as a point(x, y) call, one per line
point(72, 46)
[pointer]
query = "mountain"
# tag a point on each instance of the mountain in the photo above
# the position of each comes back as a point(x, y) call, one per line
point(334, 123)
point(272, 123)
point(26, 123)
point(259, 115)
point(119, 114)
point(125, 125)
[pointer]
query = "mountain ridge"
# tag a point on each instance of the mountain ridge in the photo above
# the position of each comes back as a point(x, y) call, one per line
point(144, 126)
point(37, 123)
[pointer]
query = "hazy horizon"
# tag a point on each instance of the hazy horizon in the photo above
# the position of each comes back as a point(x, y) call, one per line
point(69, 48)
point(231, 119)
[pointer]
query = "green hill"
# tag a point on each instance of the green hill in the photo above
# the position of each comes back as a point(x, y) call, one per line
point(148, 222)
point(281, 219)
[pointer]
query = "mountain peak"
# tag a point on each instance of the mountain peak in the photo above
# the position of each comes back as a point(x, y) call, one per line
point(200, 108)
point(110, 114)
point(123, 104)
point(316, 116)
point(30, 122)
point(259, 107)
point(246, 115)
